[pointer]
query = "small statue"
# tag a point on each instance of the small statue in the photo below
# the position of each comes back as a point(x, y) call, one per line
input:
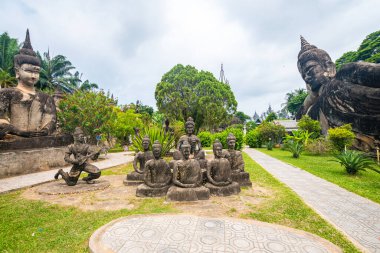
point(81, 153)
point(137, 176)
point(157, 175)
point(237, 163)
point(187, 178)
point(219, 174)
point(24, 111)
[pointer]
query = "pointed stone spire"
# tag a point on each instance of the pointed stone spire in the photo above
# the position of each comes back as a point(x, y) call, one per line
point(305, 46)
point(27, 43)
point(26, 53)
point(304, 43)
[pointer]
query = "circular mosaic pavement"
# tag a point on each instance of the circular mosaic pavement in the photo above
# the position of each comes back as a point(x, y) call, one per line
point(186, 233)
point(60, 187)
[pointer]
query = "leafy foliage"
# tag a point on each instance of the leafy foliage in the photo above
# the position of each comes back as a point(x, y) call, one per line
point(294, 147)
point(318, 146)
point(242, 116)
point(312, 126)
point(254, 139)
point(185, 91)
point(341, 137)
point(222, 136)
point(294, 100)
point(271, 116)
point(270, 130)
point(353, 161)
point(206, 138)
point(122, 126)
point(6, 80)
point(8, 48)
point(250, 125)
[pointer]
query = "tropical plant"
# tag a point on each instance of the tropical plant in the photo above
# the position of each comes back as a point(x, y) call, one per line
point(8, 48)
point(318, 146)
point(294, 100)
point(294, 147)
point(6, 80)
point(155, 133)
point(124, 123)
point(206, 138)
point(341, 137)
point(270, 144)
point(253, 139)
point(299, 136)
point(250, 125)
point(353, 161)
point(312, 126)
point(271, 116)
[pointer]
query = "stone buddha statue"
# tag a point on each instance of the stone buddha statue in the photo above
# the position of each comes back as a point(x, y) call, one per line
point(237, 163)
point(187, 178)
point(137, 176)
point(349, 96)
point(219, 174)
point(157, 175)
point(23, 110)
point(81, 153)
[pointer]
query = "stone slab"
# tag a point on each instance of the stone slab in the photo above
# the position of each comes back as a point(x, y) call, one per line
point(20, 143)
point(59, 187)
point(187, 194)
point(188, 233)
point(134, 178)
point(242, 178)
point(228, 190)
point(145, 191)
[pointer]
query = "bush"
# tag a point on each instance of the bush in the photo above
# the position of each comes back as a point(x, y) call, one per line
point(318, 146)
point(250, 126)
point(270, 130)
point(253, 139)
point(294, 147)
point(206, 138)
point(312, 126)
point(341, 137)
point(222, 136)
point(353, 161)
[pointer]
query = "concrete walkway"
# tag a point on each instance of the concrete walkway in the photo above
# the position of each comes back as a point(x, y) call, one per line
point(14, 183)
point(355, 216)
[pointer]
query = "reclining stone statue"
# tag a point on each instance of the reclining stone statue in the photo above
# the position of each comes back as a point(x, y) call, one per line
point(81, 152)
point(349, 96)
point(157, 175)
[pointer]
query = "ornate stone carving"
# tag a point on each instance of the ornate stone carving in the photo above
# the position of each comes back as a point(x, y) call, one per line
point(157, 175)
point(350, 96)
point(81, 152)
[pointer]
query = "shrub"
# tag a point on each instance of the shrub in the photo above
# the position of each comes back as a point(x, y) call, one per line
point(341, 137)
point(250, 126)
point(312, 126)
point(353, 161)
point(206, 138)
point(270, 144)
point(253, 139)
point(299, 136)
point(318, 146)
point(222, 136)
point(294, 147)
point(270, 130)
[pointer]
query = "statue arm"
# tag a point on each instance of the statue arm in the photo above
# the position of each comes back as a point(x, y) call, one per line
point(240, 164)
point(68, 158)
point(135, 161)
point(148, 176)
point(177, 182)
point(209, 177)
point(49, 118)
point(361, 73)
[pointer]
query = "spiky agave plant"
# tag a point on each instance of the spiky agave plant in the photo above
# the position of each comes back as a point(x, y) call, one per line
point(353, 161)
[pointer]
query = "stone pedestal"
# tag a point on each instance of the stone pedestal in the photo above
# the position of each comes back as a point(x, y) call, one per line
point(20, 143)
point(187, 194)
point(60, 187)
point(231, 189)
point(134, 178)
point(146, 191)
point(242, 178)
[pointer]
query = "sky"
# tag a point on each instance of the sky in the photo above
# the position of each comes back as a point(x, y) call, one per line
point(126, 46)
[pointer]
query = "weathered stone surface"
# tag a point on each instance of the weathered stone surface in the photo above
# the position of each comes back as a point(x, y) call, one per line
point(146, 191)
point(187, 194)
point(29, 161)
point(231, 189)
point(242, 178)
point(134, 178)
point(60, 187)
point(35, 142)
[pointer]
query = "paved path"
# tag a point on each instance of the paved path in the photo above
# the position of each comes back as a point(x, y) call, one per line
point(14, 183)
point(187, 233)
point(357, 217)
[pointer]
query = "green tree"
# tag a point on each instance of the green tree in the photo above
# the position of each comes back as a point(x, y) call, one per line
point(185, 91)
point(312, 126)
point(250, 125)
point(271, 116)
point(6, 80)
point(242, 116)
point(269, 130)
point(294, 100)
point(122, 126)
point(8, 48)
point(368, 51)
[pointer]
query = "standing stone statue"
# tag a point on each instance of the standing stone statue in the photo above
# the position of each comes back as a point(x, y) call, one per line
point(137, 176)
point(81, 152)
point(23, 110)
point(219, 174)
point(187, 178)
point(349, 96)
point(235, 158)
point(157, 175)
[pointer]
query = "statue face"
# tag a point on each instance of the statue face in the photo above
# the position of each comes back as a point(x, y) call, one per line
point(145, 145)
point(231, 143)
point(185, 152)
point(189, 129)
point(79, 138)
point(157, 151)
point(28, 74)
point(218, 151)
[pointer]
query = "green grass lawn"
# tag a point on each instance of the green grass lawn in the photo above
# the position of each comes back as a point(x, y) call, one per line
point(37, 226)
point(365, 183)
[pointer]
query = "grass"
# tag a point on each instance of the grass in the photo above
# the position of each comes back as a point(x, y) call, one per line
point(364, 183)
point(36, 226)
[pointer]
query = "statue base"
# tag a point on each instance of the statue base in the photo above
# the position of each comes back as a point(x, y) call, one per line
point(231, 189)
point(242, 178)
point(12, 142)
point(187, 194)
point(60, 187)
point(144, 190)
point(134, 178)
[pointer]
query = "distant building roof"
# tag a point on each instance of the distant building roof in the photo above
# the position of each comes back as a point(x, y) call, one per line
point(289, 125)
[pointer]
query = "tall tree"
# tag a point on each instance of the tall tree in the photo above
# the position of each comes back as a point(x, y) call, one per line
point(185, 91)
point(294, 100)
point(8, 48)
point(242, 116)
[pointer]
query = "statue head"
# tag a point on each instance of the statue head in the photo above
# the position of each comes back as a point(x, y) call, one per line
point(146, 143)
point(189, 125)
point(185, 149)
point(27, 64)
point(78, 135)
point(231, 141)
point(314, 65)
point(157, 148)
point(217, 147)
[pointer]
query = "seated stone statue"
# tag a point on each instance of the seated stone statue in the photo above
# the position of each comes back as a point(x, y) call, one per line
point(187, 178)
point(350, 96)
point(81, 152)
point(137, 176)
point(157, 175)
point(219, 174)
point(23, 110)
point(237, 163)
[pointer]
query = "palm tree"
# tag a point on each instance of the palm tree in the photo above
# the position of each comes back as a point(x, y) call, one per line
point(8, 48)
point(86, 86)
point(6, 80)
